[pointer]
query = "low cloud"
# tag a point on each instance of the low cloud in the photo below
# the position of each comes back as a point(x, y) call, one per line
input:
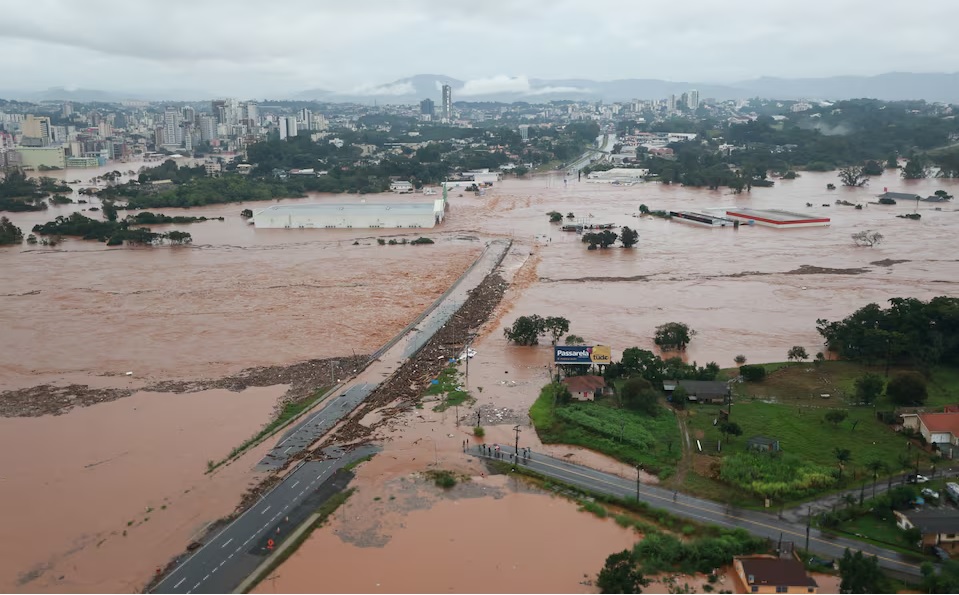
point(394, 89)
point(509, 84)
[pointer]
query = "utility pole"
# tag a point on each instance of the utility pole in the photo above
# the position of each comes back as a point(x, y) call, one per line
point(516, 448)
point(808, 523)
point(467, 366)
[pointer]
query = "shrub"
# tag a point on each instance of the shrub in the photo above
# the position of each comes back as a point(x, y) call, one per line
point(422, 240)
point(381, 241)
point(479, 432)
point(752, 373)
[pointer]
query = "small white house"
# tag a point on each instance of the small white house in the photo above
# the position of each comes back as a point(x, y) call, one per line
point(401, 187)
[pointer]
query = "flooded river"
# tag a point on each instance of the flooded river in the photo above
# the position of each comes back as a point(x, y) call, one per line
point(240, 297)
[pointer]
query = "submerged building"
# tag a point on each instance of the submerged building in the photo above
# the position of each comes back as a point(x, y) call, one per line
point(351, 215)
point(775, 218)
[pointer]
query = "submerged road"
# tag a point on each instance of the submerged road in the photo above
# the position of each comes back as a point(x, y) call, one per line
point(229, 557)
point(701, 510)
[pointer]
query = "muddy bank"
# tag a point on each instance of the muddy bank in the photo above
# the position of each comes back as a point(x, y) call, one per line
point(303, 378)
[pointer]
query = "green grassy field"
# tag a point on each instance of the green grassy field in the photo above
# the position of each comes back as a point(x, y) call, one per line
point(629, 436)
point(802, 431)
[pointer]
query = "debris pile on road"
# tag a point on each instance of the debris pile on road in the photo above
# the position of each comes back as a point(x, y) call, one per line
point(47, 399)
point(407, 384)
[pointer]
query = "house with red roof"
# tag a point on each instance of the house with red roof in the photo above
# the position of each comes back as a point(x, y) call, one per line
point(938, 429)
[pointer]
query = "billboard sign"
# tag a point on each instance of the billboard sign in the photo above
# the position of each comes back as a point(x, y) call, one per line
point(581, 354)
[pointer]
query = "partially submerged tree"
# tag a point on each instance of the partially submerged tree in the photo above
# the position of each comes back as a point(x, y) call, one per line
point(629, 237)
point(620, 575)
point(867, 238)
point(853, 176)
point(525, 330)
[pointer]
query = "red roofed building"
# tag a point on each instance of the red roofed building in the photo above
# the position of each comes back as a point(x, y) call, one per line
point(585, 388)
point(939, 428)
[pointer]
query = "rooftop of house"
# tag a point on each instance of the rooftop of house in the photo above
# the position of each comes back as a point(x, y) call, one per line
point(776, 571)
point(941, 422)
point(899, 195)
point(934, 520)
point(584, 384)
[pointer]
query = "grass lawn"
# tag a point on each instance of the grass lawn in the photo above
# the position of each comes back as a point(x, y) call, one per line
point(450, 387)
point(803, 383)
point(802, 431)
point(629, 436)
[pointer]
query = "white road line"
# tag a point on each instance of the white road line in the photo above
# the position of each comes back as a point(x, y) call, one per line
point(287, 449)
point(206, 577)
point(265, 509)
point(197, 585)
point(230, 556)
point(227, 543)
point(222, 563)
point(179, 583)
point(295, 484)
point(214, 570)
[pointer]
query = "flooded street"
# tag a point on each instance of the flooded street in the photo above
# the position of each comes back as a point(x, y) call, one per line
point(240, 297)
point(483, 536)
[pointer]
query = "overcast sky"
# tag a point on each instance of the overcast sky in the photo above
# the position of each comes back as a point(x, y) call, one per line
point(263, 48)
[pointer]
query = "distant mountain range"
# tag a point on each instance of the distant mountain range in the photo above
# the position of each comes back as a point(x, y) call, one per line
point(890, 86)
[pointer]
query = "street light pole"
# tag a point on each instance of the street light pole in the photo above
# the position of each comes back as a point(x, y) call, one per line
point(516, 447)
point(808, 523)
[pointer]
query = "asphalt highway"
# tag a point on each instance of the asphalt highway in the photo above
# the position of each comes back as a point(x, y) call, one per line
point(706, 511)
point(224, 561)
point(314, 426)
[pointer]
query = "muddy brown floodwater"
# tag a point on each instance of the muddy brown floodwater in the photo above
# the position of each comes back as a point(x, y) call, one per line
point(483, 536)
point(239, 298)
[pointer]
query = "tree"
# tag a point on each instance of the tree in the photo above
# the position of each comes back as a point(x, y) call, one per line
point(836, 416)
point(907, 389)
point(109, 210)
point(673, 335)
point(619, 574)
point(9, 233)
point(607, 238)
point(525, 330)
point(869, 387)
point(892, 162)
point(555, 216)
point(246, 213)
point(877, 467)
point(574, 340)
point(556, 326)
point(797, 353)
point(639, 395)
point(730, 428)
point(872, 168)
point(867, 238)
point(942, 194)
point(179, 237)
point(853, 176)
point(629, 237)
point(752, 373)
point(643, 210)
point(679, 397)
point(843, 456)
point(861, 574)
point(944, 581)
point(915, 169)
point(740, 359)
point(570, 215)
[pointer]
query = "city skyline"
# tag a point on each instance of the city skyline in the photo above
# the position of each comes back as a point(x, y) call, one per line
point(494, 47)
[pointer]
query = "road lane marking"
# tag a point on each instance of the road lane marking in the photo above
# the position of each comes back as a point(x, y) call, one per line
point(265, 509)
point(179, 583)
point(222, 563)
point(214, 570)
point(295, 484)
point(230, 556)
point(196, 585)
point(206, 577)
point(287, 449)
point(227, 543)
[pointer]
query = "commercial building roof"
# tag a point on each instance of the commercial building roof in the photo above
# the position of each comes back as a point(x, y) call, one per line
point(774, 215)
point(412, 208)
point(776, 571)
point(584, 384)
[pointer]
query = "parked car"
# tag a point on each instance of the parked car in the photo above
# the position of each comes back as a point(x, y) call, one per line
point(914, 478)
point(940, 553)
point(928, 493)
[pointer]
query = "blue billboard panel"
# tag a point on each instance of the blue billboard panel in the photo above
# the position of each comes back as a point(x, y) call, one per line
point(581, 354)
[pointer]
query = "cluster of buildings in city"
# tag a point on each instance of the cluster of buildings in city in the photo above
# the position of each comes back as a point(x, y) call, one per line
point(52, 135)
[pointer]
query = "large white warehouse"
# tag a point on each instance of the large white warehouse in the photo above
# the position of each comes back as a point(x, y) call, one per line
point(348, 215)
